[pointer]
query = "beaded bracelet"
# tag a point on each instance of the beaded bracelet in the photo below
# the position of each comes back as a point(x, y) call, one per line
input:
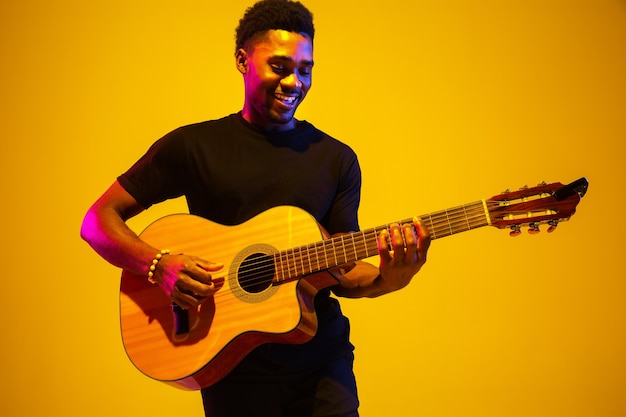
point(155, 261)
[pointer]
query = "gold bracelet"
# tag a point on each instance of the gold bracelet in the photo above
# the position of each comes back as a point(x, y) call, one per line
point(155, 261)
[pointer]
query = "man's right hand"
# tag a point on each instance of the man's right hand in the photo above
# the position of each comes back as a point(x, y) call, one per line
point(186, 279)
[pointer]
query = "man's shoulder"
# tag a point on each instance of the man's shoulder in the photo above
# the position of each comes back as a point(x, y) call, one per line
point(322, 135)
point(221, 123)
point(199, 132)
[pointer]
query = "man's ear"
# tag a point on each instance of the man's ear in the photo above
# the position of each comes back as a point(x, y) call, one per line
point(241, 60)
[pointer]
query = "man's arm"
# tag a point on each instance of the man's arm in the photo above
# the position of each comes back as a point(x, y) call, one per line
point(105, 230)
point(402, 252)
point(186, 279)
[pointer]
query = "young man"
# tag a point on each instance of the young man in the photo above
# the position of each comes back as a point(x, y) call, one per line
point(237, 167)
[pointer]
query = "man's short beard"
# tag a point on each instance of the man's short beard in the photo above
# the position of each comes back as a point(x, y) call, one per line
point(279, 120)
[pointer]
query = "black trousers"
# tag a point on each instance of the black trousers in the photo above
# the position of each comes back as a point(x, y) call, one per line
point(326, 392)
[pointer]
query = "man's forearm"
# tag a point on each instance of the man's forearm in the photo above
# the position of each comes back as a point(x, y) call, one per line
point(363, 280)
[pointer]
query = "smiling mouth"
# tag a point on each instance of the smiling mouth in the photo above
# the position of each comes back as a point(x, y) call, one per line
point(287, 100)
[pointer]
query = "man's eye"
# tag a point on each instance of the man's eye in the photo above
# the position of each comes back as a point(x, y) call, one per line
point(277, 68)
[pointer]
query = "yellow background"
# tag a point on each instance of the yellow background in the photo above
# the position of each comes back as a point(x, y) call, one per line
point(445, 102)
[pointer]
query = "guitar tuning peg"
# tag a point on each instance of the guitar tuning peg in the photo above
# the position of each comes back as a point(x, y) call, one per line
point(506, 191)
point(542, 183)
point(553, 224)
point(533, 228)
point(524, 188)
point(516, 230)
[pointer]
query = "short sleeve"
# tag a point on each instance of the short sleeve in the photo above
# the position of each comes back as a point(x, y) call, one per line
point(157, 175)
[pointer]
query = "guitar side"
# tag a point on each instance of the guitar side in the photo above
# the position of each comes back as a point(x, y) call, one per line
point(233, 322)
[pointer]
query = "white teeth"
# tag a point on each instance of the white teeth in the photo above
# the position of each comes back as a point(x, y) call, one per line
point(286, 99)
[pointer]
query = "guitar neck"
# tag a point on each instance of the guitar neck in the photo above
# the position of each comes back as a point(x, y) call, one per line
point(295, 262)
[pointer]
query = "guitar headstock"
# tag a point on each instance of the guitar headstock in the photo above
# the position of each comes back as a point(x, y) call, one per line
point(531, 207)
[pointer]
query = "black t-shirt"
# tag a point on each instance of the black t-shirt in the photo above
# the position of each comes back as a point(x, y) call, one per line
point(229, 171)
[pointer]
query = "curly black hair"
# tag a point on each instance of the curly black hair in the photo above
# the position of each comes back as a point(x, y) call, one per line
point(266, 15)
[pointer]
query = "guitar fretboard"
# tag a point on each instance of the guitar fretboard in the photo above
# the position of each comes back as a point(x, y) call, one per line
point(293, 263)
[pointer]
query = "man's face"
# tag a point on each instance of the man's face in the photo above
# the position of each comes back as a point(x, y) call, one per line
point(277, 75)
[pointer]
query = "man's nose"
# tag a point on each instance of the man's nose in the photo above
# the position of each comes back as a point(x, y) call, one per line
point(292, 81)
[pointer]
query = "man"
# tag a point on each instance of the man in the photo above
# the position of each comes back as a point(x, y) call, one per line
point(236, 167)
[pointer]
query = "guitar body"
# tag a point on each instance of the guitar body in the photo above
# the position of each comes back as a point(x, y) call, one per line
point(240, 317)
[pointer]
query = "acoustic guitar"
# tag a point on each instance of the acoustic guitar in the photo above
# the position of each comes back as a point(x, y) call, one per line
point(267, 285)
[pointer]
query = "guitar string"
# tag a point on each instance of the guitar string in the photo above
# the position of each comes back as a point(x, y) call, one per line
point(293, 262)
point(454, 221)
point(440, 224)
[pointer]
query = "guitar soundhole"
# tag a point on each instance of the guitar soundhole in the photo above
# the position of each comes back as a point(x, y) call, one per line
point(256, 273)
